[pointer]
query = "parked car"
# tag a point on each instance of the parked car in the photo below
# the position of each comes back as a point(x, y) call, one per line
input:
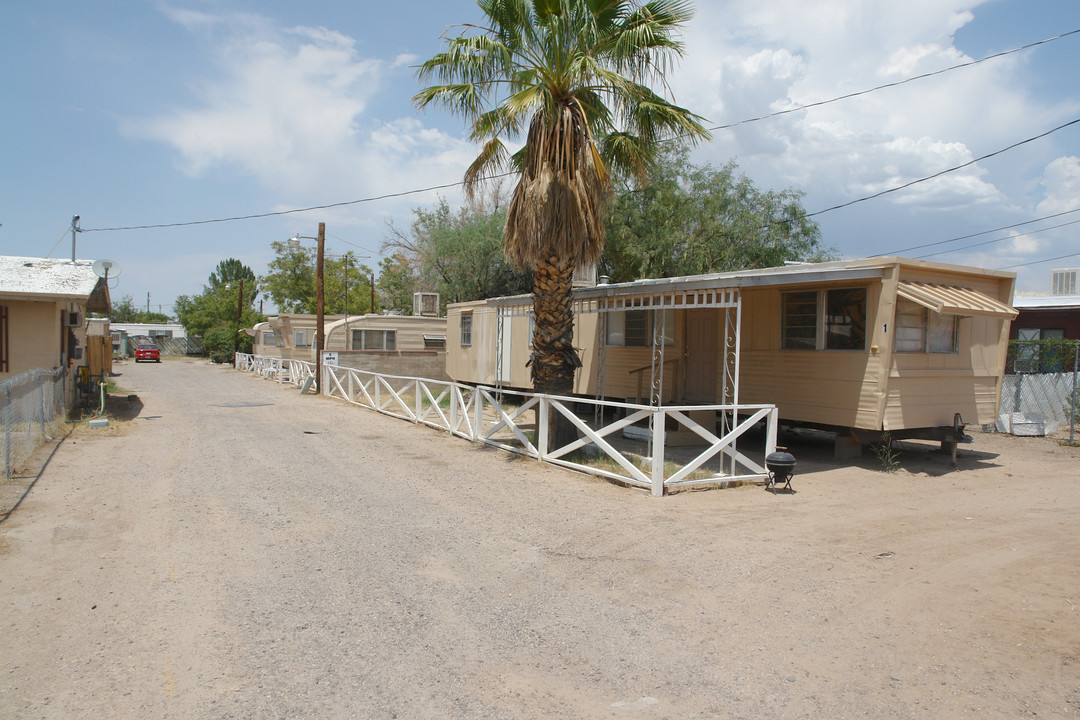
point(147, 351)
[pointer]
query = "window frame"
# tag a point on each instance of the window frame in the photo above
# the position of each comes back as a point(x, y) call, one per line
point(822, 322)
point(644, 318)
point(926, 337)
point(367, 336)
point(465, 327)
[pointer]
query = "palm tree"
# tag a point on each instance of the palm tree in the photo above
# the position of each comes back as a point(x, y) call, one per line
point(573, 73)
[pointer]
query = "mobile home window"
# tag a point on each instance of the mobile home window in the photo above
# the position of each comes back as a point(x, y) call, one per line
point(845, 319)
point(434, 342)
point(300, 339)
point(921, 331)
point(374, 340)
point(466, 329)
point(632, 328)
point(824, 319)
point(268, 338)
point(799, 327)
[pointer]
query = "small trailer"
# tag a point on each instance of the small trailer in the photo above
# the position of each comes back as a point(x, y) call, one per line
point(860, 347)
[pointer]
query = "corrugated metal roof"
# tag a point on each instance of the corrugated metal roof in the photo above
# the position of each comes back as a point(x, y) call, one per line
point(953, 300)
point(47, 276)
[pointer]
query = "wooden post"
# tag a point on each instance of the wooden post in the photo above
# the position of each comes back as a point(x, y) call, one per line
point(319, 317)
point(659, 418)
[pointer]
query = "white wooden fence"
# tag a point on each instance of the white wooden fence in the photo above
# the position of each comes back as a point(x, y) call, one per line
point(280, 370)
point(482, 414)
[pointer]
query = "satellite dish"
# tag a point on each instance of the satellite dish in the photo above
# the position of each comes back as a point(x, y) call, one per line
point(105, 268)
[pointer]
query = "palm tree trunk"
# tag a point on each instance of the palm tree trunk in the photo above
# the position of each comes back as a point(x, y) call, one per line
point(554, 359)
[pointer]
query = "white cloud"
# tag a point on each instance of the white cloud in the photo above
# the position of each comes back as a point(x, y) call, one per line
point(746, 58)
point(292, 108)
point(1061, 184)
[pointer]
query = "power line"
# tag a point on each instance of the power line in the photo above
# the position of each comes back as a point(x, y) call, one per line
point(283, 212)
point(943, 172)
point(404, 193)
point(1038, 262)
point(892, 84)
point(990, 242)
point(966, 237)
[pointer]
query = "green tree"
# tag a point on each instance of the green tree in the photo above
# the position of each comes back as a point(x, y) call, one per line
point(231, 271)
point(124, 311)
point(397, 282)
point(291, 281)
point(698, 219)
point(573, 74)
point(224, 307)
point(456, 253)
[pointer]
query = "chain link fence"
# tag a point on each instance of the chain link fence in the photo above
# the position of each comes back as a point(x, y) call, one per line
point(1039, 395)
point(32, 410)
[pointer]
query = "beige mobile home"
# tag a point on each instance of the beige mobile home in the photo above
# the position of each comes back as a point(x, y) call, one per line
point(43, 306)
point(293, 336)
point(266, 340)
point(407, 345)
point(868, 345)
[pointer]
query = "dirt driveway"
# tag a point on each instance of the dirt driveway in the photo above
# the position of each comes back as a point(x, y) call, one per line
point(240, 551)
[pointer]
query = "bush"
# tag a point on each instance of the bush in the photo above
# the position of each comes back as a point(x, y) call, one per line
point(219, 344)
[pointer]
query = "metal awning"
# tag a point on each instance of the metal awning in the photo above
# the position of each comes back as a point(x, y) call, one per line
point(953, 300)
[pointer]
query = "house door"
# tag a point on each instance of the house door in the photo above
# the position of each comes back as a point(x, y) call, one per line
point(505, 360)
point(701, 353)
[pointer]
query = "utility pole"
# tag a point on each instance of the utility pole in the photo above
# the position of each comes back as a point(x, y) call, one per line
point(74, 229)
point(319, 317)
point(239, 314)
point(147, 303)
point(372, 292)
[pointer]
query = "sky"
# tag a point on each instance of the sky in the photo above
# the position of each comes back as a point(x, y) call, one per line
point(132, 113)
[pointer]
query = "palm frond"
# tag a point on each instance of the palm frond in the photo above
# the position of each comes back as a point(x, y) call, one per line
point(492, 159)
point(465, 100)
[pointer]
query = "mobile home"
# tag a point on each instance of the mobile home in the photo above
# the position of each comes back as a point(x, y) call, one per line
point(913, 347)
point(394, 344)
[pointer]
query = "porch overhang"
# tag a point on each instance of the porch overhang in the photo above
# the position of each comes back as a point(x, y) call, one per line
point(953, 300)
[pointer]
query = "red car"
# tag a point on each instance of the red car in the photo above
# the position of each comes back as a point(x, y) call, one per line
point(147, 351)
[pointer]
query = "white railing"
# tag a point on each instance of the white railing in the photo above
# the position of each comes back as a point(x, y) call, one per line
point(481, 414)
point(281, 370)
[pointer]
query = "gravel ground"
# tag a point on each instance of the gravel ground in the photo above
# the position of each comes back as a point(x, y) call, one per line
point(240, 551)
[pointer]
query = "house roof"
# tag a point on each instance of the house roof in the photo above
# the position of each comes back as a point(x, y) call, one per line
point(53, 278)
point(1047, 302)
point(840, 270)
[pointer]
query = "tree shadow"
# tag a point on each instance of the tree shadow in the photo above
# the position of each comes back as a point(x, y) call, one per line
point(123, 407)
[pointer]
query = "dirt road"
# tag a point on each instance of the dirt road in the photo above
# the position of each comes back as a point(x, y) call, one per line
point(240, 551)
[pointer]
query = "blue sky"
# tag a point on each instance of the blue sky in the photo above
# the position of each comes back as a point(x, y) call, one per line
point(133, 112)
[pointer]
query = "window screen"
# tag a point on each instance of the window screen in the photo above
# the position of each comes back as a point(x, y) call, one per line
point(799, 325)
point(466, 329)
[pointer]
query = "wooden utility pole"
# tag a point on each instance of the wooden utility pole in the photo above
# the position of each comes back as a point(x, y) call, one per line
point(239, 315)
point(319, 317)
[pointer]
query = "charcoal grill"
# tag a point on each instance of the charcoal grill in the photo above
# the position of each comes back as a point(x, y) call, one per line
point(781, 466)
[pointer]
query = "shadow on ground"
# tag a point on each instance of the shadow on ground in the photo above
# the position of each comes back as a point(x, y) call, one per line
point(123, 407)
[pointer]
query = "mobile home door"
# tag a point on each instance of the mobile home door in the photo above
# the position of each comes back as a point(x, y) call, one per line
point(702, 348)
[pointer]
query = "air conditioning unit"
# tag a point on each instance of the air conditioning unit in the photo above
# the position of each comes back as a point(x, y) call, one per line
point(1063, 282)
point(426, 304)
point(584, 277)
point(73, 319)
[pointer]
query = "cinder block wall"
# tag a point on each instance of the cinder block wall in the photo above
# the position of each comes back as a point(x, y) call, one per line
point(430, 364)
